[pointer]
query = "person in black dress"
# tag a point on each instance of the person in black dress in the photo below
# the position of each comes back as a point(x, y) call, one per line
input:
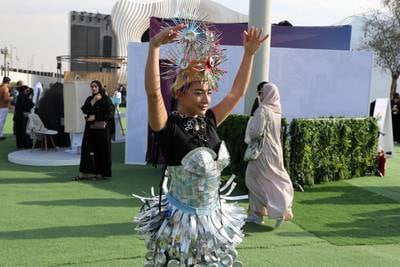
point(23, 107)
point(51, 112)
point(179, 226)
point(395, 104)
point(96, 143)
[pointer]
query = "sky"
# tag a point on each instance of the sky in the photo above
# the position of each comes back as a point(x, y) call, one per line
point(36, 31)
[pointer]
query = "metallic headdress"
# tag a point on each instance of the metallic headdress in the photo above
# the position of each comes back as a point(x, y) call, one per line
point(196, 56)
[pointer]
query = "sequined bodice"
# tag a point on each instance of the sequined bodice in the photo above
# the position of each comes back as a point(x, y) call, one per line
point(196, 182)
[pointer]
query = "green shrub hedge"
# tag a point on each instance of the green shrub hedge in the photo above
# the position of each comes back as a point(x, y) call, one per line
point(332, 149)
point(232, 131)
point(315, 150)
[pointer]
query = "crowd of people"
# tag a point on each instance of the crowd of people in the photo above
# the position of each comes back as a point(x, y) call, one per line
point(48, 105)
point(23, 100)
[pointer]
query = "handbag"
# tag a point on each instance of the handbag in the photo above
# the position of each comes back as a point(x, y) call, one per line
point(254, 146)
point(254, 149)
point(98, 125)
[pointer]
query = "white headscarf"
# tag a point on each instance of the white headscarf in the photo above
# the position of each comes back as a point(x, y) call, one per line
point(271, 98)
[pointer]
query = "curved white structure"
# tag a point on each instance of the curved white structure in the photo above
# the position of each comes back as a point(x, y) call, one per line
point(131, 18)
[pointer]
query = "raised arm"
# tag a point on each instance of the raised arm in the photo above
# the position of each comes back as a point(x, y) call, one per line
point(252, 40)
point(156, 109)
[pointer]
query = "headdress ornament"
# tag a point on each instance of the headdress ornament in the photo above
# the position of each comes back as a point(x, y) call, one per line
point(196, 56)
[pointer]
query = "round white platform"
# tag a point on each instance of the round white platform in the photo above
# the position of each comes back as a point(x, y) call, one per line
point(39, 157)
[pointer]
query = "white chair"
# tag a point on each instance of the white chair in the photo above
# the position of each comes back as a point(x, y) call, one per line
point(35, 128)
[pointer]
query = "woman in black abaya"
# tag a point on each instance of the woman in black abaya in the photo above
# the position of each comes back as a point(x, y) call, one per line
point(51, 112)
point(22, 108)
point(96, 142)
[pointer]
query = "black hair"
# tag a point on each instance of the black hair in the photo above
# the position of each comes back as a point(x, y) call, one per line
point(261, 85)
point(102, 91)
point(24, 89)
point(285, 23)
point(6, 79)
point(256, 102)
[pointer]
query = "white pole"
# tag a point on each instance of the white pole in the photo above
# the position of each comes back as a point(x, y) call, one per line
point(259, 16)
point(12, 56)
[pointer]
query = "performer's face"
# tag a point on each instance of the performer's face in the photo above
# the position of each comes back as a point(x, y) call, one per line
point(195, 100)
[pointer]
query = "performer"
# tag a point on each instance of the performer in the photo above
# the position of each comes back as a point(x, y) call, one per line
point(192, 224)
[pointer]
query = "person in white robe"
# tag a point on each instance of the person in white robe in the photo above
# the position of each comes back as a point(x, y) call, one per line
point(37, 93)
point(270, 187)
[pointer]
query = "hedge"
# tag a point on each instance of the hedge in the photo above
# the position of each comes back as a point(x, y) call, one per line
point(315, 150)
point(324, 150)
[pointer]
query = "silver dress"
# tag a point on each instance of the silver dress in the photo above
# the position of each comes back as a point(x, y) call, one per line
point(196, 226)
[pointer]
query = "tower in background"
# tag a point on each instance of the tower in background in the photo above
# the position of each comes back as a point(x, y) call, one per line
point(91, 35)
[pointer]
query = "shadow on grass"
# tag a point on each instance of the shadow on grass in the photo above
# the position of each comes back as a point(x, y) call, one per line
point(255, 228)
point(295, 234)
point(31, 180)
point(367, 228)
point(94, 202)
point(98, 231)
point(111, 261)
point(344, 214)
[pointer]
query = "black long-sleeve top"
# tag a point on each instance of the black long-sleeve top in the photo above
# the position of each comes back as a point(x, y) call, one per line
point(103, 109)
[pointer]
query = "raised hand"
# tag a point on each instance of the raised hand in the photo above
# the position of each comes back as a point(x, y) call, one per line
point(167, 35)
point(91, 118)
point(252, 40)
point(97, 97)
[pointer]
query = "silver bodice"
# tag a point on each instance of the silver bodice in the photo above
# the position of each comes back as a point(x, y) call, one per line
point(195, 184)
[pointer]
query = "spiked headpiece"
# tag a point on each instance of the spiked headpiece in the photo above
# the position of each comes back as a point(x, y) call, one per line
point(196, 56)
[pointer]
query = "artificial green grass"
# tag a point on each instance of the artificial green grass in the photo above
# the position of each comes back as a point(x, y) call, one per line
point(48, 220)
point(363, 210)
point(348, 215)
